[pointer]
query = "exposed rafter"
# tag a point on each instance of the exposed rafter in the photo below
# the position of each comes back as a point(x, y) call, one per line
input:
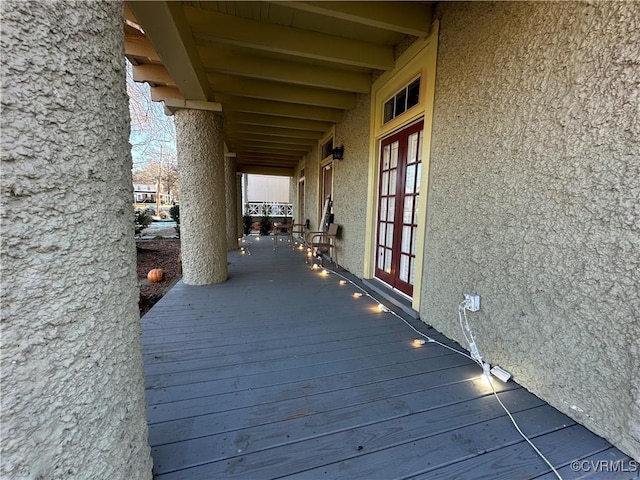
point(276, 121)
point(225, 60)
point(274, 131)
point(138, 46)
point(173, 104)
point(268, 90)
point(250, 143)
point(281, 109)
point(218, 27)
point(410, 18)
point(159, 94)
point(270, 139)
point(169, 33)
point(261, 170)
point(154, 74)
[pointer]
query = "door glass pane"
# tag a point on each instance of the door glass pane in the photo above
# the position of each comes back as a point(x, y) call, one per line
point(381, 233)
point(391, 212)
point(406, 239)
point(418, 177)
point(407, 214)
point(380, 258)
point(404, 268)
point(420, 147)
point(410, 180)
point(386, 153)
point(413, 148)
point(389, 242)
point(385, 183)
point(387, 260)
point(382, 214)
point(415, 211)
point(392, 182)
point(394, 154)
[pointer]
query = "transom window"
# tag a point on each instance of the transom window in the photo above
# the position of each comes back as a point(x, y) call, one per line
point(402, 101)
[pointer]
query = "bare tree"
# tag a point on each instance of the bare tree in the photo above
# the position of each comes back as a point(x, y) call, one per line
point(153, 139)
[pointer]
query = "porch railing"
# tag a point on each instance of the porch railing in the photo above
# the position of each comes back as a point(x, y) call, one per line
point(272, 209)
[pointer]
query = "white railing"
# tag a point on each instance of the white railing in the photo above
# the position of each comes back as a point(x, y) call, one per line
point(272, 209)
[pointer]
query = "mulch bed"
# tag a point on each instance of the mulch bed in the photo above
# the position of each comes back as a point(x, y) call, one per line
point(156, 254)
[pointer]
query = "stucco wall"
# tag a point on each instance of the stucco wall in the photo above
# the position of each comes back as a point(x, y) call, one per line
point(534, 199)
point(350, 184)
point(311, 176)
point(231, 196)
point(203, 211)
point(72, 384)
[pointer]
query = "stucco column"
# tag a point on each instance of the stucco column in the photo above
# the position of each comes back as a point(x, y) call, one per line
point(73, 401)
point(231, 202)
point(203, 230)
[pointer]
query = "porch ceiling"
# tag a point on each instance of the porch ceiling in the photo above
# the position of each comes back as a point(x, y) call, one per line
point(282, 73)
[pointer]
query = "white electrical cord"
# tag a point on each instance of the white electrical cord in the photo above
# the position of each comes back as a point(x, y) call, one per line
point(478, 359)
point(466, 329)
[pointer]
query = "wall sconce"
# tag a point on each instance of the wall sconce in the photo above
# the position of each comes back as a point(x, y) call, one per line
point(338, 152)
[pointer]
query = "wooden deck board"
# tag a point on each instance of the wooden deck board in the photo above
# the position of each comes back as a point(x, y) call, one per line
point(281, 373)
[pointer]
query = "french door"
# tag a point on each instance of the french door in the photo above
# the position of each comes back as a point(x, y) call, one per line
point(397, 220)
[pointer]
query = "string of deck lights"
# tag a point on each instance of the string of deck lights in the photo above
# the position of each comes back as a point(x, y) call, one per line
point(244, 249)
point(475, 356)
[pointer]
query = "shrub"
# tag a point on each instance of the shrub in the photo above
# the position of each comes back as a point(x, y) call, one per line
point(265, 225)
point(175, 216)
point(142, 220)
point(246, 224)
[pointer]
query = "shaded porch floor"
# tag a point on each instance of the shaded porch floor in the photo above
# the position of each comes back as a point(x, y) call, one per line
point(281, 373)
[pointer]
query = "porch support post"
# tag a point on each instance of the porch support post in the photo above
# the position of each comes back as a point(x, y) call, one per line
point(203, 217)
point(231, 202)
point(73, 403)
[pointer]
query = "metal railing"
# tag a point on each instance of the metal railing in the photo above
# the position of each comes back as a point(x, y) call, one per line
point(272, 209)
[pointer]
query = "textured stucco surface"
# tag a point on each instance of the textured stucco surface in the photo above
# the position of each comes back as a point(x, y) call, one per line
point(203, 210)
point(534, 199)
point(231, 201)
point(72, 384)
point(311, 194)
point(350, 184)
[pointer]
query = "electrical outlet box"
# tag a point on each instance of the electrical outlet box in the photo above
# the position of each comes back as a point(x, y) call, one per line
point(472, 302)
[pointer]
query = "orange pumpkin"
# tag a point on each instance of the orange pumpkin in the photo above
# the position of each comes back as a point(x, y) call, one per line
point(155, 275)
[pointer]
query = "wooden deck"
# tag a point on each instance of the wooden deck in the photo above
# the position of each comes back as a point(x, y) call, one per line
point(281, 373)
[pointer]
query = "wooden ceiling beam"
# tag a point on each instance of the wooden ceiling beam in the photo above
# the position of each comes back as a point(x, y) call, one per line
point(268, 150)
point(224, 60)
point(231, 103)
point(154, 74)
point(165, 25)
point(249, 143)
point(139, 47)
point(268, 156)
point(275, 121)
point(268, 90)
point(255, 137)
point(158, 94)
point(258, 170)
point(410, 18)
point(236, 129)
point(218, 27)
point(174, 104)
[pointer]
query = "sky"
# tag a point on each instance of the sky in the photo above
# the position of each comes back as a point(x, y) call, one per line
point(153, 134)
